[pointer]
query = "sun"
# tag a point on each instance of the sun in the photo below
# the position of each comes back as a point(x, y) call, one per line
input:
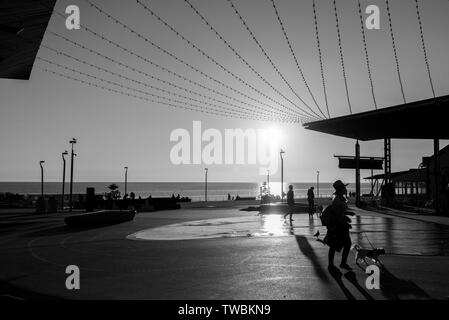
point(274, 138)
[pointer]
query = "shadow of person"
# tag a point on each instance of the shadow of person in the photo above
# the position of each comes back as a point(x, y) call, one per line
point(311, 224)
point(291, 228)
point(352, 278)
point(60, 230)
point(336, 274)
point(8, 291)
point(396, 289)
point(52, 231)
point(308, 251)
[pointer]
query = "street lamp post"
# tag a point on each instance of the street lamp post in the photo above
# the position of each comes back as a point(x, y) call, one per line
point(268, 181)
point(72, 142)
point(63, 178)
point(205, 187)
point(282, 174)
point(317, 184)
point(126, 180)
point(42, 178)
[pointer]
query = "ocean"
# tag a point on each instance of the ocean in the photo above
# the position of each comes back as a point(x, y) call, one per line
point(217, 191)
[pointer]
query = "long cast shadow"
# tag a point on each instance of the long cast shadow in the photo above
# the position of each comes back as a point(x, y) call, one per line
point(308, 251)
point(352, 278)
point(12, 292)
point(58, 230)
point(336, 274)
point(396, 289)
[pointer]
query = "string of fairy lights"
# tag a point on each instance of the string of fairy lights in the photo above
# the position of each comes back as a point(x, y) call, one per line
point(267, 56)
point(295, 58)
point(213, 106)
point(212, 94)
point(239, 56)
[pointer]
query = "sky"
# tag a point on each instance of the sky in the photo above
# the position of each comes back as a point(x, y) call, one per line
point(39, 116)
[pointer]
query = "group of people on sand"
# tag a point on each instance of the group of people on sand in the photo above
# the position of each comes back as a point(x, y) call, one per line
point(335, 218)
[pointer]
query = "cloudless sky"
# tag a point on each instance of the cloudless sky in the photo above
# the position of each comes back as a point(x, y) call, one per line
point(38, 117)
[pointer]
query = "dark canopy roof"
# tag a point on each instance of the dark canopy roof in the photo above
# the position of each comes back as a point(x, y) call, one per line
point(425, 119)
point(412, 175)
point(22, 27)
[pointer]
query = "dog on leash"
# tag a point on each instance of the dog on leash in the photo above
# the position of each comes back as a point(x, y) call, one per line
point(364, 254)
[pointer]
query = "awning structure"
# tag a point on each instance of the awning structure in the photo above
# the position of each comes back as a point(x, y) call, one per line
point(22, 27)
point(425, 119)
point(368, 163)
point(412, 175)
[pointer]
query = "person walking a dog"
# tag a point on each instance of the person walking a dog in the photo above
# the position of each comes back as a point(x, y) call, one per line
point(338, 224)
point(290, 202)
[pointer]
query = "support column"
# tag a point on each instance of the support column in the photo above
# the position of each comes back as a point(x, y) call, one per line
point(436, 150)
point(387, 153)
point(357, 173)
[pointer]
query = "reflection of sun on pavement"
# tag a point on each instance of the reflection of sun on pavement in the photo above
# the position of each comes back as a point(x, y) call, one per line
point(250, 226)
point(272, 225)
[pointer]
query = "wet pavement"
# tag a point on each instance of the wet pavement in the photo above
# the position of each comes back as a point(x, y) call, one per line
point(215, 253)
point(396, 236)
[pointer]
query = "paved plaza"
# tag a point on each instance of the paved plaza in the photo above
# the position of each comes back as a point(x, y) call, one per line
point(217, 253)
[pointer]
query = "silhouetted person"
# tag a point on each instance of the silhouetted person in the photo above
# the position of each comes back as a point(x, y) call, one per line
point(290, 202)
point(311, 200)
point(338, 225)
point(229, 197)
point(132, 195)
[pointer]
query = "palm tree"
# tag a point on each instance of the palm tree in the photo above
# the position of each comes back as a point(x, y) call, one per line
point(115, 193)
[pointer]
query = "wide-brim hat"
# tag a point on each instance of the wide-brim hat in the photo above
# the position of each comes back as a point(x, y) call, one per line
point(339, 185)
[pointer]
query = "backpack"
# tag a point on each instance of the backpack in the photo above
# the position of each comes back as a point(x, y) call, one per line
point(326, 216)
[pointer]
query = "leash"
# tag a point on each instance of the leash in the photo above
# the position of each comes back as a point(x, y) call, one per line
point(368, 240)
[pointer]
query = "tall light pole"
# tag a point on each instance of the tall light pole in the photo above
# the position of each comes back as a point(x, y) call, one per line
point(63, 178)
point(205, 187)
point(126, 180)
point(72, 142)
point(282, 174)
point(42, 178)
point(317, 184)
point(268, 181)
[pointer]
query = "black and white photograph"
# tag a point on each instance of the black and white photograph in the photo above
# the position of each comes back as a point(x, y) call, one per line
point(224, 155)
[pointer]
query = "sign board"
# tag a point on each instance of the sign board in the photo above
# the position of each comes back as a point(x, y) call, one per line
point(364, 163)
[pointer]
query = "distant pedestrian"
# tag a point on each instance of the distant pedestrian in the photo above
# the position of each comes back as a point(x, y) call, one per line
point(311, 200)
point(338, 224)
point(229, 197)
point(290, 202)
point(132, 195)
